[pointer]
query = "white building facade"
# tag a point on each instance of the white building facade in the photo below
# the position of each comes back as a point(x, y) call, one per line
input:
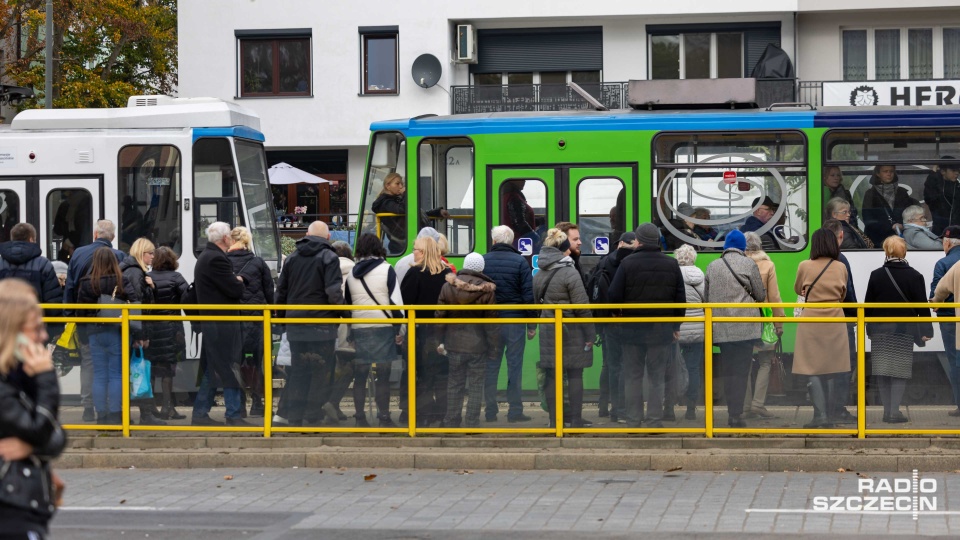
point(318, 73)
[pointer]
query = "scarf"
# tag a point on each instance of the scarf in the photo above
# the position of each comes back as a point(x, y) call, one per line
point(895, 259)
point(888, 192)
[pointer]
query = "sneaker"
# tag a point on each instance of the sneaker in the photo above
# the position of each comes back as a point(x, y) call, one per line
point(238, 422)
point(151, 420)
point(736, 422)
point(330, 414)
point(280, 421)
point(386, 422)
point(340, 415)
point(818, 424)
point(763, 413)
point(89, 415)
point(519, 418)
point(204, 421)
point(844, 418)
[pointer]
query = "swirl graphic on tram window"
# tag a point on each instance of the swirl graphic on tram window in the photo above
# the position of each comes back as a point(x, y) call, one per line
point(727, 195)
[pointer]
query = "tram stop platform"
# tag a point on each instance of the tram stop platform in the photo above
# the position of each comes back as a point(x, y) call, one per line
point(515, 451)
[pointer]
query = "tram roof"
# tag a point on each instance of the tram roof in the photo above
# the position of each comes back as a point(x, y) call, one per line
point(678, 120)
point(170, 114)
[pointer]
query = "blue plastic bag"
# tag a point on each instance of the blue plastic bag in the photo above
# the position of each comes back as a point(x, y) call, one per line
point(141, 384)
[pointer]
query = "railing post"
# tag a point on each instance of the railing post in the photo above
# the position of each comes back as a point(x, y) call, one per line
point(558, 370)
point(125, 369)
point(861, 379)
point(267, 374)
point(411, 372)
point(708, 371)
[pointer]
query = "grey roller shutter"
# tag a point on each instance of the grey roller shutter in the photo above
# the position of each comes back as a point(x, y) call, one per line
point(539, 49)
point(755, 42)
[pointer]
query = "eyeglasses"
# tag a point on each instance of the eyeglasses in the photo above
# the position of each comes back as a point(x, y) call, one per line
point(842, 212)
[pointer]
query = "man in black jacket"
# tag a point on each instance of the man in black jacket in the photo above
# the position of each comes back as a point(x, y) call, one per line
point(647, 277)
point(611, 381)
point(511, 273)
point(22, 258)
point(311, 276)
point(216, 283)
point(80, 263)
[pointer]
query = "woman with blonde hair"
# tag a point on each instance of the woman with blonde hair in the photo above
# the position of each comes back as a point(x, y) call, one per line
point(421, 286)
point(30, 435)
point(891, 359)
point(258, 283)
point(558, 282)
point(140, 290)
point(393, 200)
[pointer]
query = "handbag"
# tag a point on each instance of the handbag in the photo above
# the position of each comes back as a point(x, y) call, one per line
point(251, 376)
point(802, 298)
point(769, 333)
point(344, 343)
point(141, 384)
point(111, 299)
point(66, 350)
point(778, 373)
point(913, 327)
point(283, 354)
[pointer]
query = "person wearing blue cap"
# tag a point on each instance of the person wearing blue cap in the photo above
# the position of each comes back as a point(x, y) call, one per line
point(734, 278)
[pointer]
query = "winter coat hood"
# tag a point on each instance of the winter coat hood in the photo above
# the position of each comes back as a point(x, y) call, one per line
point(550, 256)
point(308, 246)
point(470, 285)
point(129, 262)
point(18, 252)
point(365, 266)
point(692, 276)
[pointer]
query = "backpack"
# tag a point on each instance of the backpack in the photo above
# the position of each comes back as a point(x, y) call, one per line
point(190, 297)
point(598, 282)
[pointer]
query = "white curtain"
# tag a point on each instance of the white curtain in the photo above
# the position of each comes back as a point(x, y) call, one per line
point(920, 53)
point(854, 55)
point(887, 50)
point(951, 53)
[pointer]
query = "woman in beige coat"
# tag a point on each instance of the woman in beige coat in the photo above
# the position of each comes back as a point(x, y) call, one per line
point(753, 403)
point(822, 349)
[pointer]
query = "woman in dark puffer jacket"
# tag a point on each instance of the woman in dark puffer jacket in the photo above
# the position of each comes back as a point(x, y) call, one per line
point(140, 290)
point(167, 338)
point(259, 290)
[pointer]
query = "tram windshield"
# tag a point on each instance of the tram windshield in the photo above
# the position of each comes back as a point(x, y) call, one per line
point(257, 199)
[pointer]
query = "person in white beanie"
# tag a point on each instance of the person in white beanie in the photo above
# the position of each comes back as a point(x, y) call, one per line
point(467, 346)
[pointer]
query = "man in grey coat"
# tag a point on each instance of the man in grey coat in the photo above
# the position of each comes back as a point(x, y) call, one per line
point(735, 279)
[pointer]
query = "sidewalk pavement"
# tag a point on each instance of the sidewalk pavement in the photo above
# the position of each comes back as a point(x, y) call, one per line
point(358, 502)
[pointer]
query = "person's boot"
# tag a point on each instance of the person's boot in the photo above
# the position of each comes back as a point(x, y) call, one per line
point(168, 412)
point(361, 420)
point(385, 421)
point(147, 418)
point(243, 404)
point(256, 405)
point(668, 414)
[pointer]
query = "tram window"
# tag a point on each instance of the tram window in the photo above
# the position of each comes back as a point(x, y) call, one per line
point(9, 212)
point(72, 225)
point(922, 161)
point(597, 211)
point(523, 208)
point(445, 191)
point(385, 206)
point(257, 199)
point(149, 190)
point(216, 196)
point(707, 185)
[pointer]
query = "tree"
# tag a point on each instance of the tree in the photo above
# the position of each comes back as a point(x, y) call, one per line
point(104, 50)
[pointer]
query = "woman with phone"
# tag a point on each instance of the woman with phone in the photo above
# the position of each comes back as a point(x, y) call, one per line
point(30, 435)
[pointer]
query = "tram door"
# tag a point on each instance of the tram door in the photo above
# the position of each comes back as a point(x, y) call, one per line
point(63, 210)
point(532, 200)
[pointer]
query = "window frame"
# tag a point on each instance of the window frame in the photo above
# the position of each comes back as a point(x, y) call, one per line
point(656, 166)
point(714, 53)
point(938, 54)
point(366, 36)
point(274, 39)
point(178, 189)
point(199, 234)
point(472, 145)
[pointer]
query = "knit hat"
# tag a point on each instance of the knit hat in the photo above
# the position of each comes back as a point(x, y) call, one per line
point(429, 231)
point(473, 261)
point(735, 239)
point(59, 267)
point(628, 237)
point(684, 210)
point(648, 234)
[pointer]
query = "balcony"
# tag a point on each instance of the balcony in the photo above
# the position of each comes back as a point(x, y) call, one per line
point(558, 97)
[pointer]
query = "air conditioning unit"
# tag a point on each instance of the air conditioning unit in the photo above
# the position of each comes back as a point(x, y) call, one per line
point(466, 44)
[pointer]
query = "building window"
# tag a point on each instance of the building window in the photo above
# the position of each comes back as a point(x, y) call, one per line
point(705, 55)
point(891, 54)
point(380, 63)
point(275, 67)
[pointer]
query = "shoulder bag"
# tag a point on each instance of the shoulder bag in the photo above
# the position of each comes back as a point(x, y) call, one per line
point(913, 328)
point(111, 299)
point(768, 333)
point(802, 298)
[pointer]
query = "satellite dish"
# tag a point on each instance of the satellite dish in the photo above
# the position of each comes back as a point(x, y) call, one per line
point(426, 70)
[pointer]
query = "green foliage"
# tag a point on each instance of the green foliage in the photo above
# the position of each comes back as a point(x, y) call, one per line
point(287, 245)
point(105, 50)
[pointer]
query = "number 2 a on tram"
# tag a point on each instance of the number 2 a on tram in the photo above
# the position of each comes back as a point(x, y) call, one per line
point(162, 168)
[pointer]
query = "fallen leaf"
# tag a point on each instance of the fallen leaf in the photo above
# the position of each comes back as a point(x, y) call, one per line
point(675, 469)
point(123, 501)
point(369, 477)
point(228, 477)
point(841, 469)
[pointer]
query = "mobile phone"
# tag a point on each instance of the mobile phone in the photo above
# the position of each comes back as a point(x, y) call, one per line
point(21, 341)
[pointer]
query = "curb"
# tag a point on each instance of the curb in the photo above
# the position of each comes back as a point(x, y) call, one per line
point(462, 453)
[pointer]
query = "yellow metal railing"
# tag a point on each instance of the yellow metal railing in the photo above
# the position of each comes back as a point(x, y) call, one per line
point(557, 319)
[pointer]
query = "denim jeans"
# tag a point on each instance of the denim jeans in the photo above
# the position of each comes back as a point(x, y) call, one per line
point(232, 399)
point(512, 341)
point(107, 353)
point(948, 331)
point(693, 358)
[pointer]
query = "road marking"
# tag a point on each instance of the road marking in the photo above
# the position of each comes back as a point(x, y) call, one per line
point(112, 508)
